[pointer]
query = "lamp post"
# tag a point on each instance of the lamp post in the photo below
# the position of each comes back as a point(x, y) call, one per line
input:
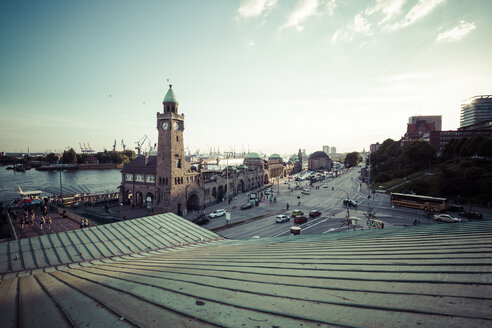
point(61, 188)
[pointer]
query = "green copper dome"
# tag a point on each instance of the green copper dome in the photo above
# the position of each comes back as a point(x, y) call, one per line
point(274, 156)
point(170, 96)
point(252, 155)
point(294, 158)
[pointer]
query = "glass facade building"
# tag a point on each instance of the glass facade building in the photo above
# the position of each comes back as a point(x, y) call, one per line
point(475, 110)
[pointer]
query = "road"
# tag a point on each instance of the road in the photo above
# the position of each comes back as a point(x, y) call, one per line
point(327, 200)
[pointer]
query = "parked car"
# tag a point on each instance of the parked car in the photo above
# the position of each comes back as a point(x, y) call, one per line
point(305, 191)
point(217, 213)
point(456, 208)
point(300, 219)
point(472, 215)
point(201, 219)
point(249, 204)
point(326, 186)
point(297, 212)
point(349, 202)
point(314, 213)
point(282, 218)
point(445, 218)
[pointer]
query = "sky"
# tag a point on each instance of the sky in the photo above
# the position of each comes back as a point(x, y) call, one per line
point(269, 76)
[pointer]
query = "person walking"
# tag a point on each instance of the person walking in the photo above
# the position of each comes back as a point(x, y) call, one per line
point(82, 223)
point(287, 206)
point(48, 222)
point(86, 223)
point(41, 222)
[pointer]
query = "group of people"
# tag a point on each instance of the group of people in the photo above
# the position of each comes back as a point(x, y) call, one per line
point(29, 217)
point(84, 223)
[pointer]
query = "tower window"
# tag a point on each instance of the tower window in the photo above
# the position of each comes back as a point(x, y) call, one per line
point(178, 164)
point(177, 138)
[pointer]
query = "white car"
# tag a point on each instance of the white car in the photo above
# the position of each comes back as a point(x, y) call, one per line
point(445, 218)
point(326, 186)
point(217, 213)
point(282, 218)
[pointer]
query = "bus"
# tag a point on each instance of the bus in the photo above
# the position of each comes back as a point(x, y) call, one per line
point(427, 203)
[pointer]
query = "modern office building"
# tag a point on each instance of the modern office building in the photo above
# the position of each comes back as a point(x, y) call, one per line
point(475, 110)
point(333, 150)
point(326, 149)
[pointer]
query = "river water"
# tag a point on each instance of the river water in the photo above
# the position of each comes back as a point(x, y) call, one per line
point(49, 181)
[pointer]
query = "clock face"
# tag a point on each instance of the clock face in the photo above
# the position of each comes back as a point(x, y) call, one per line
point(176, 126)
point(165, 125)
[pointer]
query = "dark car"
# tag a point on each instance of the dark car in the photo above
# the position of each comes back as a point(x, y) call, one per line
point(349, 202)
point(300, 219)
point(456, 208)
point(314, 213)
point(201, 219)
point(472, 215)
point(249, 204)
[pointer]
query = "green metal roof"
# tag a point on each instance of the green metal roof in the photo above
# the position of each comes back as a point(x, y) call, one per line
point(170, 96)
point(294, 158)
point(436, 275)
point(274, 156)
point(253, 155)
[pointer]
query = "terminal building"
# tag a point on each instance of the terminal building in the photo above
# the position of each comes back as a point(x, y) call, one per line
point(167, 182)
point(476, 110)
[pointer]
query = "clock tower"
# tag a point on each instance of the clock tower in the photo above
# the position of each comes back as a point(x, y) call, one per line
point(171, 170)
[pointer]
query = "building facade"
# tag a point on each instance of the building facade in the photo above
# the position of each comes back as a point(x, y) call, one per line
point(475, 110)
point(436, 119)
point(167, 182)
point(439, 139)
point(319, 160)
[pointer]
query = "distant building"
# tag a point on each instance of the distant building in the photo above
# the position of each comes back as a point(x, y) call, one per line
point(333, 150)
point(439, 139)
point(436, 119)
point(418, 131)
point(374, 147)
point(319, 160)
point(326, 149)
point(487, 125)
point(475, 110)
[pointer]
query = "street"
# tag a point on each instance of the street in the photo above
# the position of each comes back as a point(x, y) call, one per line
point(327, 200)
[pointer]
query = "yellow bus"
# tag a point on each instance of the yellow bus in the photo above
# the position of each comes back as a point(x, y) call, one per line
point(427, 203)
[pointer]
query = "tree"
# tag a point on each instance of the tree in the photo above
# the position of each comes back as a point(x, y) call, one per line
point(69, 156)
point(51, 158)
point(352, 159)
point(418, 156)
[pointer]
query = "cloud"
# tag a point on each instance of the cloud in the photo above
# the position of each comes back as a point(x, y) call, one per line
point(302, 10)
point(331, 6)
point(361, 25)
point(254, 8)
point(389, 8)
point(421, 9)
point(456, 33)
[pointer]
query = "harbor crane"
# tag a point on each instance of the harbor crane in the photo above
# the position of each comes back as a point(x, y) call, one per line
point(141, 142)
point(114, 145)
point(123, 145)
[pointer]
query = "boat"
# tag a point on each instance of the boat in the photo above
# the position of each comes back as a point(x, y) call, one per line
point(27, 198)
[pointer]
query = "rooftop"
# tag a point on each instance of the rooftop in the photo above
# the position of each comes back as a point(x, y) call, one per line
point(163, 268)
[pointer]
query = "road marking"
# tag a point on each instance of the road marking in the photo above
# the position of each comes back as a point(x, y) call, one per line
point(315, 224)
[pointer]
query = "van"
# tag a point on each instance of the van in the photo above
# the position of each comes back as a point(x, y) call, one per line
point(297, 212)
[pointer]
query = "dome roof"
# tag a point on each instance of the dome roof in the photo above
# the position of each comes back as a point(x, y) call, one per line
point(294, 158)
point(253, 155)
point(274, 156)
point(318, 155)
point(170, 96)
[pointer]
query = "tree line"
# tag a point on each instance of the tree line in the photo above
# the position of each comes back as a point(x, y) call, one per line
point(463, 171)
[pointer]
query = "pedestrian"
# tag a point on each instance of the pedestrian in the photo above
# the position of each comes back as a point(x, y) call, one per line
point(23, 222)
point(82, 222)
point(48, 222)
point(287, 206)
point(14, 215)
point(86, 223)
point(41, 222)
